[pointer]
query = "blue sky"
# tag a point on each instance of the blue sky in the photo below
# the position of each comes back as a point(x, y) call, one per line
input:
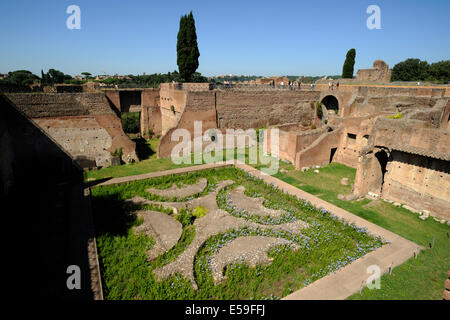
point(277, 37)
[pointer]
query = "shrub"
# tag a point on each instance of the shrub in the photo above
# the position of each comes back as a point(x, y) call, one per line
point(117, 153)
point(319, 111)
point(131, 122)
point(185, 217)
point(397, 116)
point(200, 211)
point(172, 108)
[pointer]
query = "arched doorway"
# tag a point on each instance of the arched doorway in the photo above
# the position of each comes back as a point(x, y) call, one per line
point(331, 103)
point(383, 159)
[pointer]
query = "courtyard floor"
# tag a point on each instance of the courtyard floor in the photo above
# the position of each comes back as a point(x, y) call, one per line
point(420, 278)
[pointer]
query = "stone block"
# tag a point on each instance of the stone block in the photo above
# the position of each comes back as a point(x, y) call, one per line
point(446, 295)
point(447, 284)
point(115, 161)
point(412, 209)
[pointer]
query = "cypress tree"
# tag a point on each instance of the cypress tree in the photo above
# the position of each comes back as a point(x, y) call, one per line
point(349, 64)
point(187, 47)
point(42, 77)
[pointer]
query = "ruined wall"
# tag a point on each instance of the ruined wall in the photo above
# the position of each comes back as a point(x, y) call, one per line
point(291, 141)
point(319, 152)
point(380, 73)
point(416, 170)
point(445, 117)
point(421, 182)
point(150, 112)
point(41, 183)
point(355, 136)
point(199, 106)
point(172, 103)
point(113, 98)
point(83, 123)
point(256, 109)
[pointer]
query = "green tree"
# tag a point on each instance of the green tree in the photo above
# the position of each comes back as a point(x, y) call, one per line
point(349, 64)
point(43, 77)
point(21, 77)
point(187, 47)
point(86, 74)
point(55, 76)
point(410, 70)
point(440, 71)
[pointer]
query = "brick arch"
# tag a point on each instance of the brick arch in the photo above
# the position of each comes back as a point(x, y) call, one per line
point(329, 95)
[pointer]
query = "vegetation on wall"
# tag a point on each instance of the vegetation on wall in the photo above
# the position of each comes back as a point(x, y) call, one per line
point(349, 64)
point(396, 116)
point(418, 70)
point(131, 122)
point(319, 111)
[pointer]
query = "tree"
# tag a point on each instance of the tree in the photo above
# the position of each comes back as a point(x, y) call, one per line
point(349, 64)
point(187, 47)
point(43, 77)
point(410, 70)
point(21, 77)
point(86, 74)
point(55, 76)
point(440, 71)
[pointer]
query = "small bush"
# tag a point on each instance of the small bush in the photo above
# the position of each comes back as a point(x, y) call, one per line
point(200, 211)
point(117, 153)
point(172, 108)
point(397, 116)
point(185, 217)
point(131, 122)
point(319, 111)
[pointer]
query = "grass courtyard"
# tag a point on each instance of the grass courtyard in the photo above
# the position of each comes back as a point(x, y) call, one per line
point(324, 246)
point(420, 278)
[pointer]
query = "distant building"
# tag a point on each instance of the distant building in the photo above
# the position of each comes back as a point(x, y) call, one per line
point(273, 81)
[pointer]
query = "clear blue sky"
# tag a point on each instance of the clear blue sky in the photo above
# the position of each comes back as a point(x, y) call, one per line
point(277, 37)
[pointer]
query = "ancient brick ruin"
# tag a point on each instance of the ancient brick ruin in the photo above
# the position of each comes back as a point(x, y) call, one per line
point(402, 159)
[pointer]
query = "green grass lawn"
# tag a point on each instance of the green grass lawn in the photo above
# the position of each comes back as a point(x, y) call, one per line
point(421, 278)
point(147, 152)
point(324, 247)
